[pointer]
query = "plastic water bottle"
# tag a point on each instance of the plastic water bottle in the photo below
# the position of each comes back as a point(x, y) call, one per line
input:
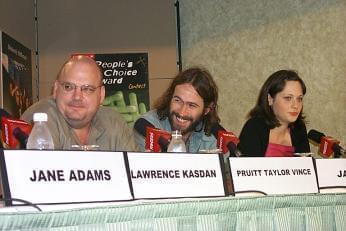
point(177, 143)
point(40, 137)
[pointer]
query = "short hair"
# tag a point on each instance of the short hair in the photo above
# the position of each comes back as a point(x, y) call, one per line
point(203, 83)
point(80, 59)
point(273, 85)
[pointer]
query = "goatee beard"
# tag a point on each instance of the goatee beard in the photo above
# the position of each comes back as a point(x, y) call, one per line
point(190, 128)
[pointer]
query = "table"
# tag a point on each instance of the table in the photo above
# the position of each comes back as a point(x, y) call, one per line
point(280, 212)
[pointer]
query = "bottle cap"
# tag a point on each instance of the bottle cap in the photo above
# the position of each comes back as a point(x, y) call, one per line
point(43, 117)
point(176, 133)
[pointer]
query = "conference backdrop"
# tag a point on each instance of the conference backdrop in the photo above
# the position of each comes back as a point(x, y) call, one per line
point(242, 42)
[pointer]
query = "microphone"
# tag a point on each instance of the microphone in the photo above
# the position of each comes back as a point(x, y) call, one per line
point(328, 144)
point(14, 131)
point(226, 141)
point(21, 136)
point(3, 113)
point(156, 140)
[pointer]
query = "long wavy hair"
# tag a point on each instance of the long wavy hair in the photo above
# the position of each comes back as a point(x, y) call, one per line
point(273, 85)
point(205, 86)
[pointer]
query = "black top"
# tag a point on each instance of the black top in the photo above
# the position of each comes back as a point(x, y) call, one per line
point(254, 138)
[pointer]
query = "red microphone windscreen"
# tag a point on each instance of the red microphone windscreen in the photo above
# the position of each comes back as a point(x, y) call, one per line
point(152, 138)
point(326, 146)
point(7, 127)
point(224, 138)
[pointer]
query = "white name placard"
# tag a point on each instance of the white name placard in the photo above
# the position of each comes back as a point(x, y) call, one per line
point(45, 177)
point(331, 175)
point(168, 175)
point(273, 175)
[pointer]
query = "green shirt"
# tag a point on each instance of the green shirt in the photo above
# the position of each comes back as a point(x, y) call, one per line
point(108, 129)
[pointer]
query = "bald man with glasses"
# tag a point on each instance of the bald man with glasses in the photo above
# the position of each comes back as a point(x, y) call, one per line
point(75, 115)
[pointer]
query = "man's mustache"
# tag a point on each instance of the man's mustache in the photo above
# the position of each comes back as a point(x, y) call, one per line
point(76, 103)
point(182, 117)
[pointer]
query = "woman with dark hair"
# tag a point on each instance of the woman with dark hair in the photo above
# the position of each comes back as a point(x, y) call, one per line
point(276, 124)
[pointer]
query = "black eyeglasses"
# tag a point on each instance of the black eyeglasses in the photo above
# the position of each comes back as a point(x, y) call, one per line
point(85, 89)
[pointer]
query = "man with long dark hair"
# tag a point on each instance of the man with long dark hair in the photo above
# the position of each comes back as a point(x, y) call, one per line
point(190, 106)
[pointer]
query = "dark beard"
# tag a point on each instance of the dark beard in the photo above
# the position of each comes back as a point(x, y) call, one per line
point(190, 128)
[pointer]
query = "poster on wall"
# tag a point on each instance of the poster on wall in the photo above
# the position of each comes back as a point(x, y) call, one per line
point(16, 76)
point(125, 77)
